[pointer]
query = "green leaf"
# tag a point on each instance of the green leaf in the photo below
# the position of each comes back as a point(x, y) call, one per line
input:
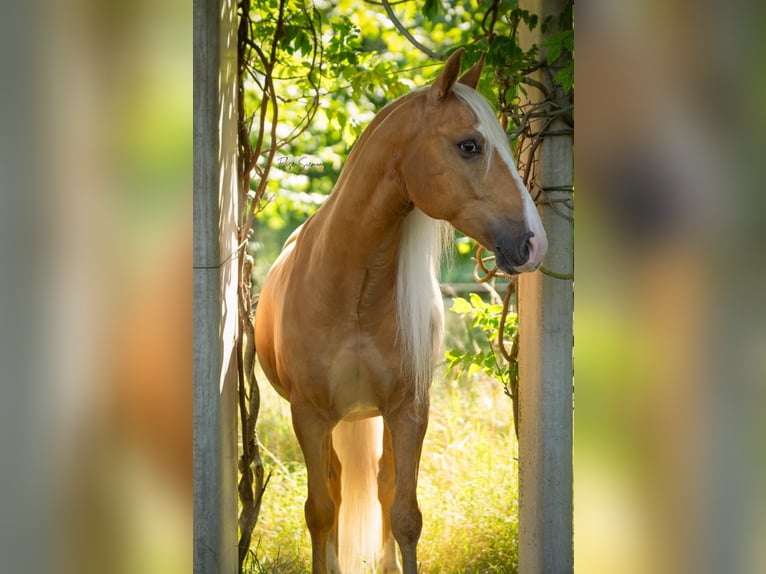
point(495, 308)
point(554, 45)
point(557, 43)
point(288, 33)
point(527, 17)
point(431, 9)
point(546, 24)
point(476, 301)
point(565, 77)
point(302, 42)
point(502, 50)
point(569, 40)
point(461, 306)
point(454, 357)
point(473, 369)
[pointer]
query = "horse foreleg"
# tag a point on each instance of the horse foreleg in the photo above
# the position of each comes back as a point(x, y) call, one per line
point(314, 437)
point(389, 563)
point(407, 433)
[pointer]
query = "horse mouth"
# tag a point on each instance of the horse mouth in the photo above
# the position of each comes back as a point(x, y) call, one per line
point(504, 263)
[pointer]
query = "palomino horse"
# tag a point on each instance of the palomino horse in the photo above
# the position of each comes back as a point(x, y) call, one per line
point(350, 316)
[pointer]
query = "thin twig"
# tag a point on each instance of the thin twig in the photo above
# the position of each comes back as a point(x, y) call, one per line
point(404, 32)
point(562, 276)
point(501, 329)
point(488, 273)
point(489, 31)
point(274, 120)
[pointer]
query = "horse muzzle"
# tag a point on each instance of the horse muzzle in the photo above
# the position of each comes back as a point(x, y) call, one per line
point(521, 254)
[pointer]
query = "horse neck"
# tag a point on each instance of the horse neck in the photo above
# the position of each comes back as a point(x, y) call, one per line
point(385, 246)
point(369, 203)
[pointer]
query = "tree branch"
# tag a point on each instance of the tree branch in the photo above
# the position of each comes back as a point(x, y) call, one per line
point(274, 120)
point(404, 32)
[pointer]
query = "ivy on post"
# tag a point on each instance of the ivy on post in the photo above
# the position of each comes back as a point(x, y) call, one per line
point(546, 300)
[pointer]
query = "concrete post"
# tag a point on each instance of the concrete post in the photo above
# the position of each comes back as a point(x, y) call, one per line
point(545, 308)
point(215, 295)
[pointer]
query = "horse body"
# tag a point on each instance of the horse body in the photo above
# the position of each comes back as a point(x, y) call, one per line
point(350, 315)
point(330, 304)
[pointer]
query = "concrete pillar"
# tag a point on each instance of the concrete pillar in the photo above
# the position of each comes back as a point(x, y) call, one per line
point(545, 308)
point(215, 295)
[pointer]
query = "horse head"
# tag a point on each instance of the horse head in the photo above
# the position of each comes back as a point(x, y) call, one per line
point(459, 167)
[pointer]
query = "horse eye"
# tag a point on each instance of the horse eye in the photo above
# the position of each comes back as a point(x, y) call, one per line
point(469, 147)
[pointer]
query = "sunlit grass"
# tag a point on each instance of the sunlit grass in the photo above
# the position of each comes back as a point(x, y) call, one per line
point(280, 542)
point(467, 488)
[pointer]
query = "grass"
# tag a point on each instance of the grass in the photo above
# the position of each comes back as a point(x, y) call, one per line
point(468, 481)
point(467, 487)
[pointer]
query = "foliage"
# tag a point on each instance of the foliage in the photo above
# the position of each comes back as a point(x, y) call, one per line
point(482, 352)
point(336, 64)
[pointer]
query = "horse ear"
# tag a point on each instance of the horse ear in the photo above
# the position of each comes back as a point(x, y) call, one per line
point(471, 77)
point(443, 85)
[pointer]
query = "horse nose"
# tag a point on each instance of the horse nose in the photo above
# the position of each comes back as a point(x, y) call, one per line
point(521, 253)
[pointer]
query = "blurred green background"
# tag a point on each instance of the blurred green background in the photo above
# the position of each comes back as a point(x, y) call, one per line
point(670, 339)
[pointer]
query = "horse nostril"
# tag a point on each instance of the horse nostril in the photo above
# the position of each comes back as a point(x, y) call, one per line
point(524, 248)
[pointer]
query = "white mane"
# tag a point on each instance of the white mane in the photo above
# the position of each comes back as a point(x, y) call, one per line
point(418, 298)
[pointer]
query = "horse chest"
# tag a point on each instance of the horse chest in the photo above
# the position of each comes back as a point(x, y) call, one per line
point(348, 375)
